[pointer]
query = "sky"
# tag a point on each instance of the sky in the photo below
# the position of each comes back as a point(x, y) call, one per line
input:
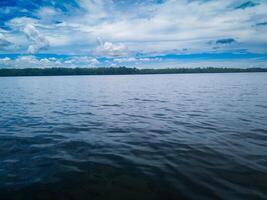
point(133, 33)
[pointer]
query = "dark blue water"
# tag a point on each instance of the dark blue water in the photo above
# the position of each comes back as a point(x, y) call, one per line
point(194, 136)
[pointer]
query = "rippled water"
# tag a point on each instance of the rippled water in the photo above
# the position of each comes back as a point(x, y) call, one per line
point(194, 136)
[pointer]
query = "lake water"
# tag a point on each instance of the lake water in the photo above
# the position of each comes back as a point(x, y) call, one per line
point(184, 136)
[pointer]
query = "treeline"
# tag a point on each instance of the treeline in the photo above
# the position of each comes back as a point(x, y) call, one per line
point(118, 71)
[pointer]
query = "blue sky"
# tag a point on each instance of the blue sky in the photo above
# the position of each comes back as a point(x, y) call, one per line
point(152, 33)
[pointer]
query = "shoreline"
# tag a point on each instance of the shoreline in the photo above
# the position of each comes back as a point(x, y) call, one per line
point(104, 71)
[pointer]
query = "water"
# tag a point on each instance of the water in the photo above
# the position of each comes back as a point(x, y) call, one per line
point(191, 136)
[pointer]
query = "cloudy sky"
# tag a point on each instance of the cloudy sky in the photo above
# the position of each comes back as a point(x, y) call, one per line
point(133, 33)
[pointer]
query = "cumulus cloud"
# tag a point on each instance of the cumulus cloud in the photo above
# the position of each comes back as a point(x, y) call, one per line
point(96, 10)
point(135, 60)
point(47, 13)
point(140, 27)
point(5, 59)
point(38, 41)
point(181, 23)
point(31, 61)
point(4, 43)
point(19, 62)
point(110, 49)
point(19, 22)
point(82, 61)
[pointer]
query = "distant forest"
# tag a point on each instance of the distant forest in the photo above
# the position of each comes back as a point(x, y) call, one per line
point(118, 71)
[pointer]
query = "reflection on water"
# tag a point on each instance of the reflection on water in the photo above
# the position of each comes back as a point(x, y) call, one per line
point(134, 137)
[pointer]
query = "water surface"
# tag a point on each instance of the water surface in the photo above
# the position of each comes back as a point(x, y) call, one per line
point(191, 136)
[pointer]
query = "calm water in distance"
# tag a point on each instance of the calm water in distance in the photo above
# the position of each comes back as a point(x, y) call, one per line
point(184, 136)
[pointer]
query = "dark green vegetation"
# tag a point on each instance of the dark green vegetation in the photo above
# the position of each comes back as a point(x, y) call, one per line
point(118, 71)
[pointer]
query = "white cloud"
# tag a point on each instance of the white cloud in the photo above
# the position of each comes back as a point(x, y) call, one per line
point(5, 59)
point(94, 61)
point(47, 13)
point(135, 60)
point(96, 10)
point(19, 22)
point(38, 41)
point(27, 61)
point(81, 61)
point(169, 25)
point(110, 49)
point(31, 61)
point(4, 43)
point(144, 27)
